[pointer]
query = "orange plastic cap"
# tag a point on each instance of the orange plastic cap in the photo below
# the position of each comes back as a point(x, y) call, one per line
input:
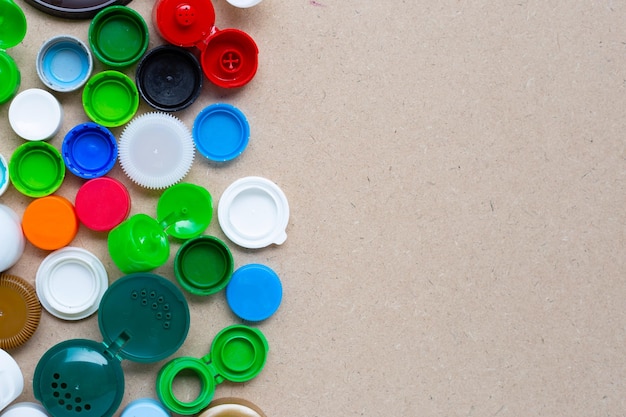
point(50, 223)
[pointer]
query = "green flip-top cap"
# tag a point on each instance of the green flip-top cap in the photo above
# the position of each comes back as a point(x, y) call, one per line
point(185, 210)
point(142, 317)
point(140, 243)
point(12, 31)
point(238, 354)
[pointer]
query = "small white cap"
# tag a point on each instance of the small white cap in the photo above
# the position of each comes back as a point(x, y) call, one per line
point(244, 3)
point(35, 114)
point(11, 236)
point(70, 283)
point(253, 212)
point(12, 379)
point(25, 409)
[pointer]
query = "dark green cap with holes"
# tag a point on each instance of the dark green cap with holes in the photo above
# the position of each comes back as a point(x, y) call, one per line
point(143, 317)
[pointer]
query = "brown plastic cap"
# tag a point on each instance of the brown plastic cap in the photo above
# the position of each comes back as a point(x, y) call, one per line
point(20, 311)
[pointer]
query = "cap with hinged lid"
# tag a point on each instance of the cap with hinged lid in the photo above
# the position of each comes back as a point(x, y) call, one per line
point(140, 243)
point(142, 317)
point(229, 57)
point(12, 32)
point(238, 354)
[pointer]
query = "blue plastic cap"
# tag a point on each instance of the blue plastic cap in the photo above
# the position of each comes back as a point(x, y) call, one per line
point(89, 150)
point(221, 132)
point(145, 407)
point(254, 292)
point(4, 175)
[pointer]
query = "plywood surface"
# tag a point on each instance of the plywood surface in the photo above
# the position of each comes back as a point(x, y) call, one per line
point(456, 176)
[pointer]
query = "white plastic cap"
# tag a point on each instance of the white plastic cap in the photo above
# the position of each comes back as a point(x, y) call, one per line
point(244, 3)
point(25, 409)
point(156, 150)
point(35, 114)
point(11, 236)
point(12, 379)
point(253, 212)
point(230, 410)
point(70, 283)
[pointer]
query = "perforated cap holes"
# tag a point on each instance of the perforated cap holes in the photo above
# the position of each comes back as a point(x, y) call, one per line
point(63, 393)
point(156, 302)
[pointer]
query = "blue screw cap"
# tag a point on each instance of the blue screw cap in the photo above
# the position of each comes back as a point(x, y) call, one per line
point(254, 292)
point(89, 150)
point(221, 132)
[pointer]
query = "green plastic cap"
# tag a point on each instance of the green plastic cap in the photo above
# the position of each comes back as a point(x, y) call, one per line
point(138, 244)
point(185, 210)
point(238, 354)
point(118, 36)
point(36, 169)
point(110, 98)
point(203, 265)
point(12, 31)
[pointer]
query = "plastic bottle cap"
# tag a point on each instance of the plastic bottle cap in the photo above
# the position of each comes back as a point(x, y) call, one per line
point(64, 63)
point(253, 212)
point(89, 150)
point(169, 78)
point(4, 175)
point(12, 32)
point(70, 283)
point(11, 236)
point(102, 203)
point(74, 9)
point(142, 317)
point(254, 292)
point(12, 379)
point(35, 114)
point(110, 98)
point(50, 223)
point(244, 3)
point(221, 132)
point(185, 210)
point(184, 23)
point(138, 244)
point(156, 150)
point(230, 59)
point(25, 409)
point(20, 311)
point(36, 169)
point(238, 354)
point(145, 407)
point(232, 407)
point(203, 265)
point(118, 36)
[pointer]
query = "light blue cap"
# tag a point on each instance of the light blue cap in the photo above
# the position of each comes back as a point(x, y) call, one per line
point(64, 63)
point(254, 292)
point(4, 175)
point(221, 132)
point(145, 407)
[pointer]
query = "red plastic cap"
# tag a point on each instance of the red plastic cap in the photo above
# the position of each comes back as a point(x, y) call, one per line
point(184, 23)
point(102, 203)
point(230, 58)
